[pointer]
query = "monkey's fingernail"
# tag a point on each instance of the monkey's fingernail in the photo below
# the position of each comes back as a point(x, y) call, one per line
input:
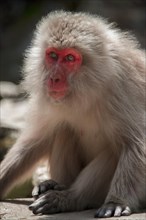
point(127, 211)
point(30, 207)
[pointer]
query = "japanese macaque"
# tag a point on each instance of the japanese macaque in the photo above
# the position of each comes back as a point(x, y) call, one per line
point(86, 83)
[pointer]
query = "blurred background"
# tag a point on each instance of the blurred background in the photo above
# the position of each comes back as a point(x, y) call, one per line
point(18, 19)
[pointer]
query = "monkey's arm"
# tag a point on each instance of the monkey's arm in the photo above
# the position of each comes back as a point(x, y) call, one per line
point(128, 185)
point(20, 161)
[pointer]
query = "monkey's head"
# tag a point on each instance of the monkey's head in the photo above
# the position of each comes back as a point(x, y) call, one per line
point(61, 65)
point(69, 57)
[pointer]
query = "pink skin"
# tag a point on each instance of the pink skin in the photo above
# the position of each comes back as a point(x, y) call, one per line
point(64, 62)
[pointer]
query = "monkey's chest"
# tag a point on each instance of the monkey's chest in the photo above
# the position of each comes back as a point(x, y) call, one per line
point(91, 139)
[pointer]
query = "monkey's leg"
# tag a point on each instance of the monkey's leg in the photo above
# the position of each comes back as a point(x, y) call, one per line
point(20, 161)
point(127, 187)
point(88, 191)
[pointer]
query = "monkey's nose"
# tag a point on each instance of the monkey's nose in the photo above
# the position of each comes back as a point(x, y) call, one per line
point(56, 79)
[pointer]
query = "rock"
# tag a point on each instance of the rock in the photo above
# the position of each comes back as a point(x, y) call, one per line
point(18, 210)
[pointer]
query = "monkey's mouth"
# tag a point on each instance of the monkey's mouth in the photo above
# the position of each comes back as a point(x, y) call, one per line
point(57, 86)
point(58, 95)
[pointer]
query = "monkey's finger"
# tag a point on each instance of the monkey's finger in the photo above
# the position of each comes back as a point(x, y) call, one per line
point(105, 211)
point(47, 185)
point(35, 192)
point(38, 190)
point(118, 211)
point(46, 209)
point(49, 199)
point(109, 211)
point(37, 203)
point(43, 187)
point(50, 185)
point(96, 213)
point(100, 213)
point(126, 211)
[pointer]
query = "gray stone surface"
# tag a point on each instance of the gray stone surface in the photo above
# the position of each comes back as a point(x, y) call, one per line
point(18, 210)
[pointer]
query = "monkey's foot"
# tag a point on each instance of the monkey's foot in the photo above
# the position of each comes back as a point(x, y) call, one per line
point(53, 202)
point(45, 186)
point(112, 209)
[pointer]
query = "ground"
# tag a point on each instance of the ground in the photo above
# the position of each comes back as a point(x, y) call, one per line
point(17, 209)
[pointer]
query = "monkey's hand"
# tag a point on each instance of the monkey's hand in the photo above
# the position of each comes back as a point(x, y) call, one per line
point(43, 187)
point(112, 209)
point(53, 202)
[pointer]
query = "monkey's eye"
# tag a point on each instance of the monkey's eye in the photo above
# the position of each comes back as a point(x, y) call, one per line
point(53, 55)
point(69, 58)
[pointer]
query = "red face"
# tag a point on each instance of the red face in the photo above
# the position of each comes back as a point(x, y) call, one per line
point(62, 63)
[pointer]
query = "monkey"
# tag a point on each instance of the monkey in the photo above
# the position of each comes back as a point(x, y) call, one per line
point(86, 84)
